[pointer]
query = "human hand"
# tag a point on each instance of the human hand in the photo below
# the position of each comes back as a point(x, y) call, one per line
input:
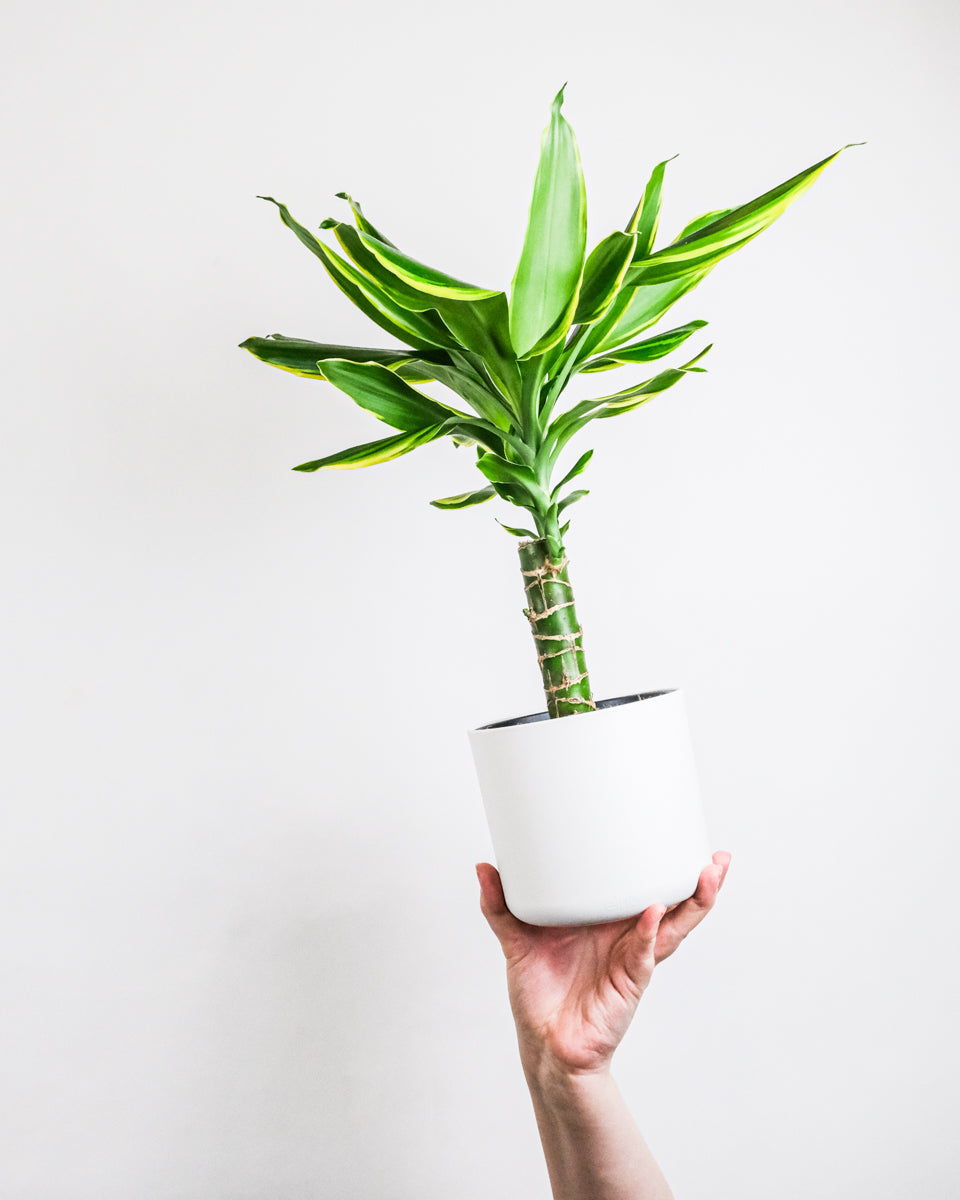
point(574, 988)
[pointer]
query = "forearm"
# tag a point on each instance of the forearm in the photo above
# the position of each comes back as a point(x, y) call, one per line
point(593, 1148)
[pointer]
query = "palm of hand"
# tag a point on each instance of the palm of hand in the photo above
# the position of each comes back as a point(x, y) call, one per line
point(574, 989)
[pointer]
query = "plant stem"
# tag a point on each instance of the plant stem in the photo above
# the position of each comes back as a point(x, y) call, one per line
point(556, 630)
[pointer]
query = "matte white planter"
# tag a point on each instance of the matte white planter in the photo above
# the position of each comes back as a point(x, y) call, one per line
point(595, 816)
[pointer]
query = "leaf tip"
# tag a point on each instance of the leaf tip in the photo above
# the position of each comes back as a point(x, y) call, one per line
point(558, 100)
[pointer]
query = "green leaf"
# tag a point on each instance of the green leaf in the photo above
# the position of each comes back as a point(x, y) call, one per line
point(517, 532)
point(714, 241)
point(623, 401)
point(381, 392)
point(371, 453)
point(574, 471)
point(302, 357)
point(482, 327)
point(487, 403)
point(572, 498)
point(602, 276)
point(481, 432)
point(400, 292)
point(698, 223)
point(498, 470)
point(513, 493)
point(634, 310)
point(646, 216)
point(627, 400)
point(361, 220)
point(465, 499)
point(423, 278)
point(646, 351)
point(420, 330)
point(514, 482)
point(544, 292)
point(479, 325)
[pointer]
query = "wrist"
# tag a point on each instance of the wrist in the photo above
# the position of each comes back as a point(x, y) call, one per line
point(550, 1076)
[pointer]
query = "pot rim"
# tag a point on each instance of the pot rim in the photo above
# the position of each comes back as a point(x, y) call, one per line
point(612, 702)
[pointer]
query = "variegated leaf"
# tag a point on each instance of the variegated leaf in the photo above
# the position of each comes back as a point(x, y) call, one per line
point(544, 292)
point(646, 351)
point(369, 454)
point(465, 499)
point(380, 391)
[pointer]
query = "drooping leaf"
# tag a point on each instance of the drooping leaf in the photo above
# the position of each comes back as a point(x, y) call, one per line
point(423, 278)
point(398, 290)
point(303, 357)
point(381, 392)
point(480, 324)
point(714, 241)
point(517, 531)
point(646, 351)
point(544, 291)
point(646, 216)
point(465, 499)
point(602, 275)
point(369, 454)
point(421, 330)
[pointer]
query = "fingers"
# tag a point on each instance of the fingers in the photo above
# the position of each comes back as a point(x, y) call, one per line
point(492, 903)
point(722, 859)
point(686, 916)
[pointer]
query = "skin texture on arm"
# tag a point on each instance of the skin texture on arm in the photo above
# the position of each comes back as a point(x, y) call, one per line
point(573, 992)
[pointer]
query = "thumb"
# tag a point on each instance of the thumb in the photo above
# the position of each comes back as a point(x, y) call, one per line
point(493, 904)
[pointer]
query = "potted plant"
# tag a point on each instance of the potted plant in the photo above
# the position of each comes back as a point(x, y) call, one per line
point(591, 819)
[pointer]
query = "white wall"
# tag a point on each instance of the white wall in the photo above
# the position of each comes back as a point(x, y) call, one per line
point(241, 954)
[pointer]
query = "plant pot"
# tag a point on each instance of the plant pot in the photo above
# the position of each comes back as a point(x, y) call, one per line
point(596, 816)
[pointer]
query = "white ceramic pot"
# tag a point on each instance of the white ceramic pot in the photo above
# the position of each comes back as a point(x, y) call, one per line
point(595, 816)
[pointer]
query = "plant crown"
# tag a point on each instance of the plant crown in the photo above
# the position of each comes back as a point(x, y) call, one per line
point(509, 360)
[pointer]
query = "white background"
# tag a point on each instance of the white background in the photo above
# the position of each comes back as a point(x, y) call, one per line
point(241, 955)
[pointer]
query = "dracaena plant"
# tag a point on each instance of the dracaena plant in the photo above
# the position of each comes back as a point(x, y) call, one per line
point(509, 359)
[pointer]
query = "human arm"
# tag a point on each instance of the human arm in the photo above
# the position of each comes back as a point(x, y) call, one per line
point(573, 992)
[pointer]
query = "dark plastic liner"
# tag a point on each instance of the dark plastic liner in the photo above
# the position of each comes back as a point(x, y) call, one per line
point(545, 716)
